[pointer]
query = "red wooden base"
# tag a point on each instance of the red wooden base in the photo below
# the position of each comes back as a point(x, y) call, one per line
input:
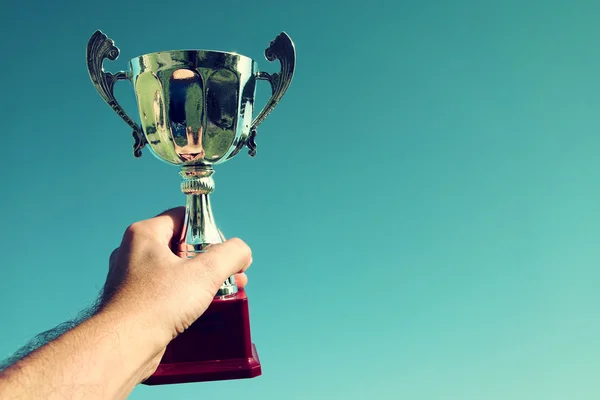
point(216, 347)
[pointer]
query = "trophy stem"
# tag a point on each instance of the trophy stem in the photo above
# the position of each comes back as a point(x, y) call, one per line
point(200, 229)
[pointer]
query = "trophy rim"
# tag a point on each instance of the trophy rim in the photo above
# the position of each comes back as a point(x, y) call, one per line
point(192, 51)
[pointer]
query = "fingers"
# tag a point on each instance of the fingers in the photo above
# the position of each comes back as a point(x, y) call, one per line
point(225, 259)
point(168, 225)
point(241, 280)
point(164, 227)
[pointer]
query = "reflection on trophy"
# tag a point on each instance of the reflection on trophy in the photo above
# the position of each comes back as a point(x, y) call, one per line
point(195, 112)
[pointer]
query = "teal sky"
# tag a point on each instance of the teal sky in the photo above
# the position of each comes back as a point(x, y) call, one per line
point(424, 208)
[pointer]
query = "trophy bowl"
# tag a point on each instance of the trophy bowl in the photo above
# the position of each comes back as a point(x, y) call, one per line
point(195, 106)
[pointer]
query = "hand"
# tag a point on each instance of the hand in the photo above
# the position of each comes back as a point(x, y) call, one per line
point(169, 292)
point(150, 296)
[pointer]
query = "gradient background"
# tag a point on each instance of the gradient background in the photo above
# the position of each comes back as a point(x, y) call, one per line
point(424, 209)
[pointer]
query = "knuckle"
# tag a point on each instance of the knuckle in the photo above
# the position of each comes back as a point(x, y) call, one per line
point(113, 256)
point(212, 273)
point(242, 248)
point(135, 229)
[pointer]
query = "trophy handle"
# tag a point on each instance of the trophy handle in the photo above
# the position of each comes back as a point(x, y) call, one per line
point(99, 48)
point(282, 49)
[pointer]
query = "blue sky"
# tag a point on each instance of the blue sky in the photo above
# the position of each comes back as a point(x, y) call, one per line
point(423, 208)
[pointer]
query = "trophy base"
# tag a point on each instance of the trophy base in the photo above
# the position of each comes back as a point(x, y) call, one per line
point(215, 347)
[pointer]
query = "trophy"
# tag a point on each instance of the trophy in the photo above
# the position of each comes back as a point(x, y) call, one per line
point(195, 112)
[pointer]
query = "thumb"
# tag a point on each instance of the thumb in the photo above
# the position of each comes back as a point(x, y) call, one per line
point(223, 260)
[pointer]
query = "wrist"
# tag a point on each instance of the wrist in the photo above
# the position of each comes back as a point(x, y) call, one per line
point(147, 323)
point(143, 325)
point(140, 341)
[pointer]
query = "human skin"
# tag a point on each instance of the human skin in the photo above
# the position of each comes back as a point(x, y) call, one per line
point(150, 296)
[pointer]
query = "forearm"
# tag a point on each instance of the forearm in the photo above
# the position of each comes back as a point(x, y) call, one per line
point(102, 358)
point(46, 337)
